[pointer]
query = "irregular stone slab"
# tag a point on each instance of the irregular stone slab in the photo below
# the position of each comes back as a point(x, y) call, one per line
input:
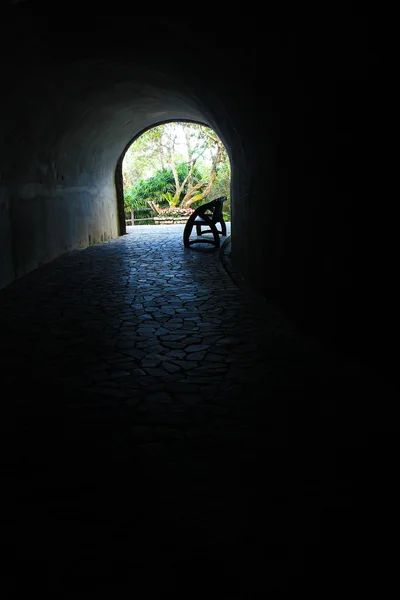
point(195, 356)
point(184, 364)
point(197, 347)
point(170, 367)
point(149, 363)
point(156, 372)
point(161, 331)
point(174, 345)
point(176, 354)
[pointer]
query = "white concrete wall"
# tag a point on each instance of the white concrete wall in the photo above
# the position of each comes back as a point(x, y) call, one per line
point(45, 225)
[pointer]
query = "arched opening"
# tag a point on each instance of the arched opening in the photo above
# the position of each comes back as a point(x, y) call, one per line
point(65, 190)
point(169, 170)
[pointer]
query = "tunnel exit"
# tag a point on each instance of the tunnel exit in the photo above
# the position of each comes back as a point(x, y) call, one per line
point(170, 170)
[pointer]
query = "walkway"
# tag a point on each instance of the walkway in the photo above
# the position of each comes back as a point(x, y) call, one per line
point(171, 428)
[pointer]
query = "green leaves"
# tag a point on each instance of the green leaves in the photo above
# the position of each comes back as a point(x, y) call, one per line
point(158, 188)
point(173, 164)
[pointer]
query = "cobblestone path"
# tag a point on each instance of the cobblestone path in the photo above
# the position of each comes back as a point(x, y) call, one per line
point(172, 430)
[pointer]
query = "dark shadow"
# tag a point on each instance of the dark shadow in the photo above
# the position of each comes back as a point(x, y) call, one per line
point(119, 189)
point(203, 249)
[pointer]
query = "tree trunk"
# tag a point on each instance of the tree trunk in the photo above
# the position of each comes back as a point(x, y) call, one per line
point(178, 186)
point(154, 206)
point(194, 194)
point(133, 216)
point(161, 151)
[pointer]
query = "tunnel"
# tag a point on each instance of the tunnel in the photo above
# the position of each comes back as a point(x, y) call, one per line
point(301, 102)
point(300, 127)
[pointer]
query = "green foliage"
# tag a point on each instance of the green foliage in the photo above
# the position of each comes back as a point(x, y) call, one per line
point(132, 199)
point(142, 156)
point(140, 214)
point(148, 177)
point(157, 188)
point(170, 198)
point(222, 183)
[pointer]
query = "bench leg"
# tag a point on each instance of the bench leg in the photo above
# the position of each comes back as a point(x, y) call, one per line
point(223, 227)
point(215, 234)
point(187, 231)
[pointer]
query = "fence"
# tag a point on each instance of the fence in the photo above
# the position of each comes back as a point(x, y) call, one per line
point(132, 222)
point(156, 220)
point(139, 216)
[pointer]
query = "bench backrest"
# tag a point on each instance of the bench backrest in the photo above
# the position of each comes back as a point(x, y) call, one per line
point(215, 206)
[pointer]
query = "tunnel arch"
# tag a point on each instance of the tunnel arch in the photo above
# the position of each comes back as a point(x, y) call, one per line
point(287, 99)
point(82, 115)
point(118, 169)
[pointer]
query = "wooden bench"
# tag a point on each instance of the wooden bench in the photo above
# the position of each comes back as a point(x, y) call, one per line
point(208, 215)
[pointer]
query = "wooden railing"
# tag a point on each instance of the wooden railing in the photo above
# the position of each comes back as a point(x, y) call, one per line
point(129, 221)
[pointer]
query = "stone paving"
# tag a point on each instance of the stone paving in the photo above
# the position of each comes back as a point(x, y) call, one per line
point(169, 423)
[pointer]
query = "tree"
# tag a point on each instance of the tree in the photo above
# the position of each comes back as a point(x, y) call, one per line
point(143, 157)
point(187, 162)
point(158, 190)
point(222, 181)
point(133, 201)
point(200, 190)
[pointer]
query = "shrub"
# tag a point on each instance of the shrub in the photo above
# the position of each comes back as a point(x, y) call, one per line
point(175, 213)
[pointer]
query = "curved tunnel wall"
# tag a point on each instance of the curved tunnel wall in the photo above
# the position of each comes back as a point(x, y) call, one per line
point(302, 111)
point(78, 121)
